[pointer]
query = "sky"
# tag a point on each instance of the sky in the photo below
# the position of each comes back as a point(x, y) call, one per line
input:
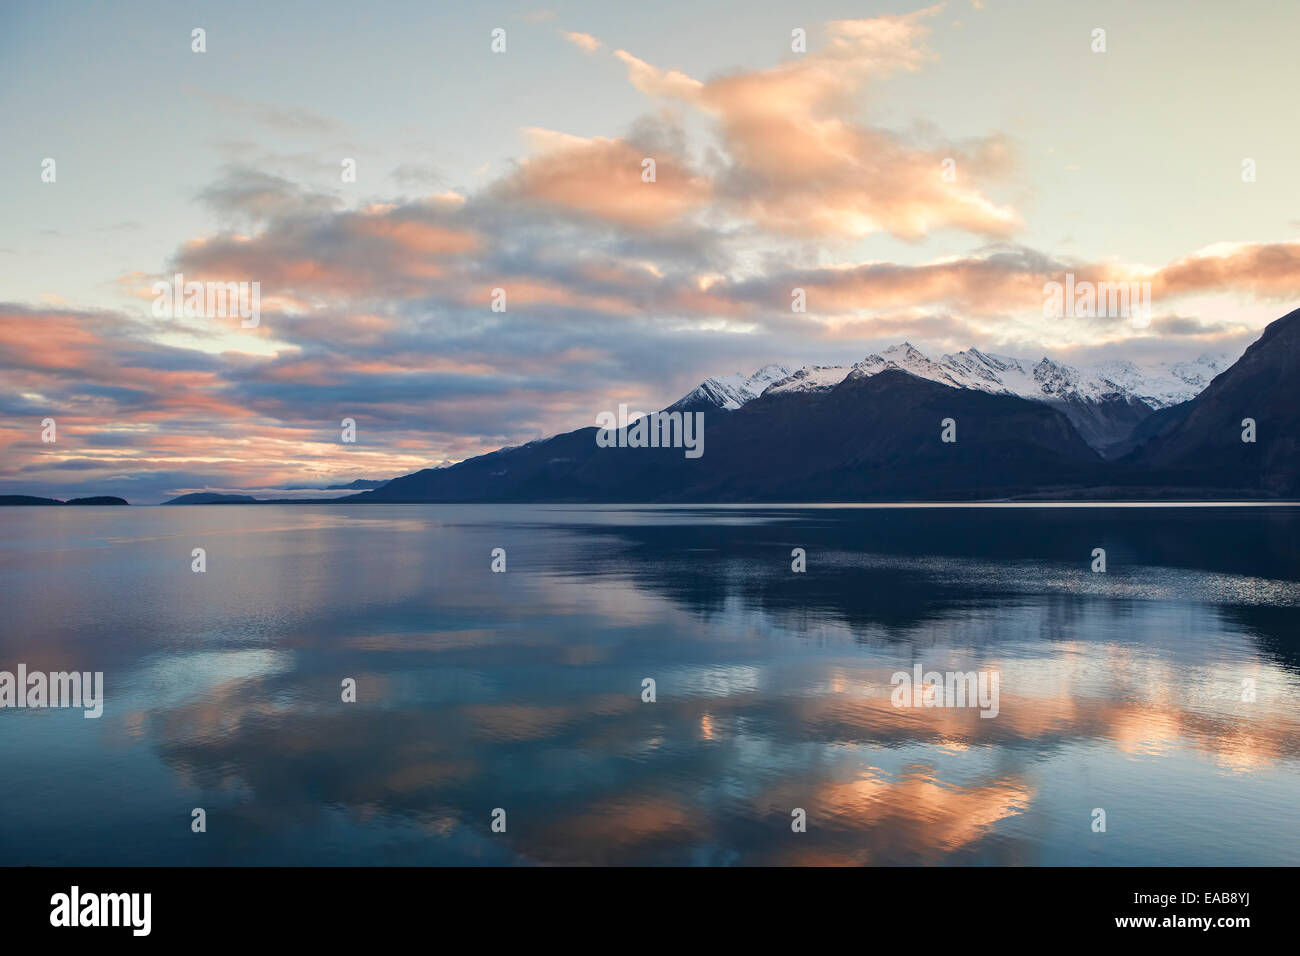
point(920, 171)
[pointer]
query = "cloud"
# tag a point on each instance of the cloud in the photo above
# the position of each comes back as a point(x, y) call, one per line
point(655, 82)
point(584, 41)
point(417, 176)
point(307, 255)
point(1265, 269)
point(798, 162)
point(603, 178)
point(259, 196)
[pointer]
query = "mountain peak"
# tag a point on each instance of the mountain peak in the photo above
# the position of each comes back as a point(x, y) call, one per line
point(729, 392)
point(1101, 399)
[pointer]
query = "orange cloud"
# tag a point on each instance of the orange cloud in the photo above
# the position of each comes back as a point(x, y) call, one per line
point(419, 237)
point(602, 178)
point(1268, 270)
point(802, 166)
point(47, 341)
point(583, 40)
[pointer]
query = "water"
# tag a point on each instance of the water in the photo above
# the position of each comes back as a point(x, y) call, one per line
point(522, 691)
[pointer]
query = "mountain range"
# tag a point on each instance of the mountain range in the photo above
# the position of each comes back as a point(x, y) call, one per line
point(9, 501)
point(1104, 402)
point(872, 431)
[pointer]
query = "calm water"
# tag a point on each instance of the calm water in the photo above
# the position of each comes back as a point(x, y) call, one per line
point(522, 690)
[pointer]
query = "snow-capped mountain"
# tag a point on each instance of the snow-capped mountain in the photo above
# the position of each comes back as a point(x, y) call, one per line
point(731, 391)
point(1104, 400)
point(1157, 386)
point(870, 432)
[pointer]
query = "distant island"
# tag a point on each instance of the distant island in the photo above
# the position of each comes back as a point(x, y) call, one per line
point(33, 500)
point(212, 498)
point(220, 498)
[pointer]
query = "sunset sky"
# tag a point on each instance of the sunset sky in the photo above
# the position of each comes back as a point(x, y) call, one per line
point(522, 170)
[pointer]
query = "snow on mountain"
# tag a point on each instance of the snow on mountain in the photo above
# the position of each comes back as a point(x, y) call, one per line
point(811, 379)
point(1156, 386)
point(907, 358)
point(732, 391)
point(1105, 400)
point(1166, 384)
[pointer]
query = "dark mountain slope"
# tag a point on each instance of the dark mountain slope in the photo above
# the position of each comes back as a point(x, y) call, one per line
point(879, 437)
point(1198, 443)
point(869, 437)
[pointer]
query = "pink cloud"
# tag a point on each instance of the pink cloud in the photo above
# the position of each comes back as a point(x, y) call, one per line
point(802, 165)
point(602, 178)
